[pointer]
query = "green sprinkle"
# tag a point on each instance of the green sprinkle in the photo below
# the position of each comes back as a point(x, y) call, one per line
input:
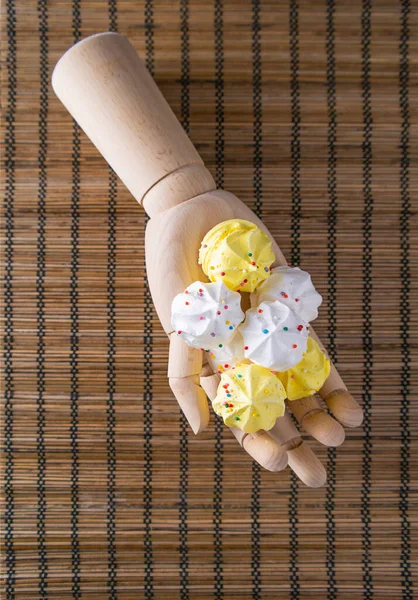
point(286, 328)
point(250, 254)
point(237, 419)
point(220, 345)
point(239, 376)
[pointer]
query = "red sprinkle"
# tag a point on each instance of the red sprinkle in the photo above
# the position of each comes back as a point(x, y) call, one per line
point(200, 290)
point(271, 268)
point(187, 303)
point(223, 274)
point(295, 345)
point(226, 306)
point(253, 264)
point(179, 332)
point(260, 310)
point(218, 312)
point(225, 385)
point(245, 347)
point(296, 299)
point(300, 327)
point(186, 291)
point(245, 280)
point(226, 366)
point(231, 405)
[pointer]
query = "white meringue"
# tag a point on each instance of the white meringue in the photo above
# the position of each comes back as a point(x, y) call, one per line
point(227, 357)
point(206, 315)
point(293, 287)
point(274, 336)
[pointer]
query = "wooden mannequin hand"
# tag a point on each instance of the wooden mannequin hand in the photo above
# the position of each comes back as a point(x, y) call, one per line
point(109, 92)
point(173, 240)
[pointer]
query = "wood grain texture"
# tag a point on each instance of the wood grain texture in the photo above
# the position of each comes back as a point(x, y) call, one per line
point(308, 113)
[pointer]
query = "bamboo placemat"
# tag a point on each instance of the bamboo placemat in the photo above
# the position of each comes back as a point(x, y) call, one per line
point(308, 112)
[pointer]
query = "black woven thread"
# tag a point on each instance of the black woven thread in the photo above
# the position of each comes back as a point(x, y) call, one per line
point(112, 8)
point(112, 566)
point(75, 217)
point(295, 258)
point(40, 291)
point(111, 388)
point(257, 109)
point(295, 142)
point(9, 160)
point(332, 283)
point(258, 208)
point(148, 466)
point(219, 179)
point(184, 426)
point(367, 297)
point(405, 309)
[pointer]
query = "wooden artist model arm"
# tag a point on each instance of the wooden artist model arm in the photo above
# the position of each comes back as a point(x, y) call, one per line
point(107, 89)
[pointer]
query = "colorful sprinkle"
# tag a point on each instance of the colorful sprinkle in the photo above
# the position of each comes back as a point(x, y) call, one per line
point(260, 310)
point(239, 375)
point(265, 330)
point(245, 280)
point(267, 269)
point(227, 322)
point(285, 328)
point(201, 318)
point(300, 327)
point(226, 307)
point(228, 395)
point(226, 366)
point(220, 345)
point(213, 334)
point(253, 264)
point(186, 291)
point(294, 346)
point(231, 328)
point(237, 419)
point(250, 254)
point(179, 332)
point(225, 385)
point(296, 299)
point(245, 347)
point(187, 303)
point(223, 273)
point(293, 376)
point(218, 312)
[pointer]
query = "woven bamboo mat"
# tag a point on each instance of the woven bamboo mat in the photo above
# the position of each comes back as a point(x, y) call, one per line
point(308, 112)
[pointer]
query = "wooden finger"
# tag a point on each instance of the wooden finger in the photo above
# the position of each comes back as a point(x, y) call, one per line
point(260, 446)
point(301, 459)
point(263, 449)
point(184, 366)
point(336, 396)
point(315, 421)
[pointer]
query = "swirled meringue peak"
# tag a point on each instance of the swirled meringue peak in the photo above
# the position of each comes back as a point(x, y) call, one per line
point(206, 315)
point(227, 357)
point(293, 287)
point(274, 336)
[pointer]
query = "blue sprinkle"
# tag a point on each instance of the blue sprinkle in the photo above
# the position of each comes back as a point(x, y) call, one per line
point(239, 376)
point(267, 270)
point(228, 395)
point(265, 330)
point(231, 327)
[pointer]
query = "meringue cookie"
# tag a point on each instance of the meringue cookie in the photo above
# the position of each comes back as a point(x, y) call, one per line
point(206, 315)
point(309, 375)
point(250, 398)
point(238, 253)
point(292, 287)
point(227, 357)
point(274, 336)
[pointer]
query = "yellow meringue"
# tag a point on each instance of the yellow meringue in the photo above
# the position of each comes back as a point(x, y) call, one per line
point(309, 375)
point(250, 398)
point(238, 253)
